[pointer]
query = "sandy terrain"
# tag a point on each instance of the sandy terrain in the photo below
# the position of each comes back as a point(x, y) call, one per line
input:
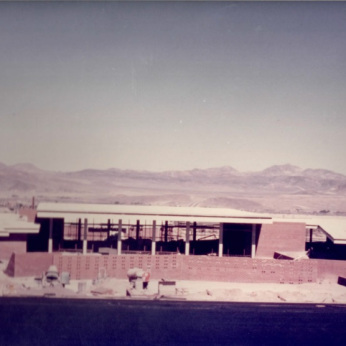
point(318, 293)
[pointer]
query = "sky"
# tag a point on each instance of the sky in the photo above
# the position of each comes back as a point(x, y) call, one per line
point(173, 86)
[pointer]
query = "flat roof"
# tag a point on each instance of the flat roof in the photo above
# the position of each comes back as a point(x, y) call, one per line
point(100, 213)
point(11, 223)
point(334, 227)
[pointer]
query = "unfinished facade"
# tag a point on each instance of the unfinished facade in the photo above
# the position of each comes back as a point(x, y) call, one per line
point(177, 243)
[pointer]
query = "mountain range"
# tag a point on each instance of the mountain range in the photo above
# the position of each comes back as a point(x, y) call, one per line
point(280, 188)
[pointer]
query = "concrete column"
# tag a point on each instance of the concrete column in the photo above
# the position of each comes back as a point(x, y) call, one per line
point(253, 241)
point(119, 244)
point(187, 243)
point(311, 232)
point(221, 240)
point(85, 237)
point(50, 239)
point(153, 239)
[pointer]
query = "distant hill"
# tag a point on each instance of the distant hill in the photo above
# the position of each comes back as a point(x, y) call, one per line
point(281, 188)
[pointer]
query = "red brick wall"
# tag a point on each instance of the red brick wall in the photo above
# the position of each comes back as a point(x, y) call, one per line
point(29, 264)
point(238, 269)
point(88, 266)
point(13, 243)
point(330, 269)
point(175, 267)
point(171, 267)
point(280, 236)
point(30, 213)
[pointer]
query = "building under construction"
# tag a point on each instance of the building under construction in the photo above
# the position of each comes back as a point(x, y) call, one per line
point(177, 243)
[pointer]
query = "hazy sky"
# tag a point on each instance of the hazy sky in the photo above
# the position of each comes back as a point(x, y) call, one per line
point(161, 86)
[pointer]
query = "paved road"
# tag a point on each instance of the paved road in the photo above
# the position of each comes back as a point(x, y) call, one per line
point(50, 321)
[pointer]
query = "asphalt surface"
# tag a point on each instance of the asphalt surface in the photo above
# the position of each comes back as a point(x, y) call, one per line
point(53, 321)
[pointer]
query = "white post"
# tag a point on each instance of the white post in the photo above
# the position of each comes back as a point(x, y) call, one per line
point(50, 239)
point(221, 240)
point(119, 243)
point(187, 243)
point(153, 240)
point(85, 237)
point(253, 241)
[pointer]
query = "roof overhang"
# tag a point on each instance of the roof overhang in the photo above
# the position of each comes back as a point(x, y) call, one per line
point(333, 227)
point(99, 213)
point(13, 224)
point(334, 238)
point(30, 229)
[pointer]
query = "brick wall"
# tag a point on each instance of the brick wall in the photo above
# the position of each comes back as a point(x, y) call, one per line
point(29, 264)
point(233, 269)
point(88, 266)
point(13, 243)
point(171, 267)
point(29, 213)
point(330, 269)
point(175, 267)
point(280, 236)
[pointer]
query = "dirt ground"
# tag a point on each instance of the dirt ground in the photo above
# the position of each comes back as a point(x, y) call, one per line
point(328, 292)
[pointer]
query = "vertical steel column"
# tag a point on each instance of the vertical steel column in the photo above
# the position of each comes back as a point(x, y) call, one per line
point(79, 230)
point(166, 231)
point(108, 227)
point(153, 239)
point(311, 232)
point(221, 240)
point(138, 226)
point(194, 231)
point(50, 239)
point(85, 237)
point(119, 242)
point(253, 241)
point(187, 243)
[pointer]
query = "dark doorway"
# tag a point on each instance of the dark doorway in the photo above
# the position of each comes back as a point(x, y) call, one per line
point(39, 242)
point(237, 239)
